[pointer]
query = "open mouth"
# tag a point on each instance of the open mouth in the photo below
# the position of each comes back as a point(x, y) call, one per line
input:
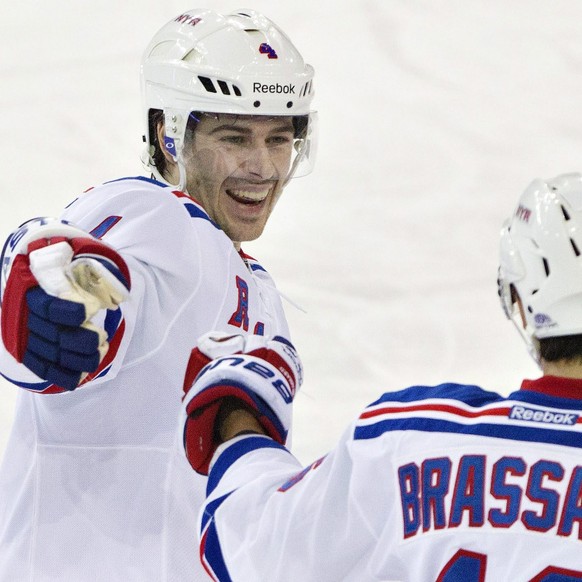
point(247, 197)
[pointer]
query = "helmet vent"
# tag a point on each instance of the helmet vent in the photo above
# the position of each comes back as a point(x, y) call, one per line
point(575, 247)
point(225, 89)
point(306, 89)
point(546, 267)
point(565, 213)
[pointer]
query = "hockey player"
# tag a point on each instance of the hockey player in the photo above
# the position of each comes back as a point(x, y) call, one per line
point(101, 308)
point(443, 483)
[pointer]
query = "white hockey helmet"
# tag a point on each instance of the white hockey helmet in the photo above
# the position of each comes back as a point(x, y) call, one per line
point(540, 260)
point(239, 63)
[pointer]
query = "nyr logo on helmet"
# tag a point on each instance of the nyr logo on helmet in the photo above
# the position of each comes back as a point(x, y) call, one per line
point(522, 213)
point(267, 49)
point(187, 19)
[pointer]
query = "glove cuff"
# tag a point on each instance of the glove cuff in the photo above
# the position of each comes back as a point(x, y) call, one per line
point(256, 383)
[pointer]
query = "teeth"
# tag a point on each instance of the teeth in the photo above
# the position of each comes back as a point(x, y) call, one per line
point(250, 196)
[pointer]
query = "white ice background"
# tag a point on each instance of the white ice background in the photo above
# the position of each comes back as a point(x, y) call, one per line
point(434, 116)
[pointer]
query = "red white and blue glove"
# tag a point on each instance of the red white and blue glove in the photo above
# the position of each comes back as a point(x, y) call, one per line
point(262, 374)
point(55, 278)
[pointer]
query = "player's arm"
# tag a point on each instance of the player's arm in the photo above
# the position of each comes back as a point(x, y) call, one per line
point(237, 419)
point(56, 282)
point(253, 523)
point(170, 255)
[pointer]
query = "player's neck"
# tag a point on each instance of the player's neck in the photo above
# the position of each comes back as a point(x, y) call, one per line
point(563, 368)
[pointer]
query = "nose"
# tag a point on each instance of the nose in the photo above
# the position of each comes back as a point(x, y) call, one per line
point(259, 163)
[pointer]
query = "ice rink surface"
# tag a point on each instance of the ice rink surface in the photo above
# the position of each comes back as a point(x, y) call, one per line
point(434, 116)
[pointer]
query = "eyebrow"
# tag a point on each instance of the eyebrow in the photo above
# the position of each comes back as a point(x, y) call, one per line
point(245, 130)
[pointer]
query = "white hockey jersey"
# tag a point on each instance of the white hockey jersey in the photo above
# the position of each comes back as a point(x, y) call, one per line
point(446, 484)
point(94, 484)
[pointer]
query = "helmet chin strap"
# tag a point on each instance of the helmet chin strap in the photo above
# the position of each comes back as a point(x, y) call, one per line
point(182, 173)
point(150, 166)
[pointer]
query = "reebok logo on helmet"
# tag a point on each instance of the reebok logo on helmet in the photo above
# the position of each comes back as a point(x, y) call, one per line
point(288, 89)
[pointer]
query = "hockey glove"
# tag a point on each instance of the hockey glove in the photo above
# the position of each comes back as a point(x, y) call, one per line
point(58, 278)
point(262, 374)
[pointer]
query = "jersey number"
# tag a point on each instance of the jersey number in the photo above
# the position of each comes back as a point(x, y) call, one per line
point(466, 566)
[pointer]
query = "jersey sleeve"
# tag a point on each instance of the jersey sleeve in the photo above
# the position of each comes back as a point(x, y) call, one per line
point(154, 232)
point(260, 498)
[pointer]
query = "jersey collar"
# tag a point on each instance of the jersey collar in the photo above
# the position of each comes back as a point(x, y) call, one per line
point(555, 386)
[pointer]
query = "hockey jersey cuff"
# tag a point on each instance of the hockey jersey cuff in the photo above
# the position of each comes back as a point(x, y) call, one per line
point(229, 452)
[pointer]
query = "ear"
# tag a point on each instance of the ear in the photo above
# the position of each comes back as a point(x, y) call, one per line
point(161, 133)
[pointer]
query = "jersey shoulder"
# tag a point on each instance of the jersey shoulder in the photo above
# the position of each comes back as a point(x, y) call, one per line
point(469, 394)
point(457, 409)
point(139, 196)
point(139, 207)
point(153, 222)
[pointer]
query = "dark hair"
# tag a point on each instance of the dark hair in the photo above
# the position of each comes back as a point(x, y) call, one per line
point(300, 123)
point(565, 347)
point(155, 116)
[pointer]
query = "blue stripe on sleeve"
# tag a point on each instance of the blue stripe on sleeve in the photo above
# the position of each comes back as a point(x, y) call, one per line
point(213, 555)
point(210, 510)
point(111, 323)
point(110, 266)
point(100, 230)
point(211, 547)
point(233, 453)
point(36, 386)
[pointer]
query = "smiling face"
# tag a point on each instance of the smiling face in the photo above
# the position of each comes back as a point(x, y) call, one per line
point(236, 166)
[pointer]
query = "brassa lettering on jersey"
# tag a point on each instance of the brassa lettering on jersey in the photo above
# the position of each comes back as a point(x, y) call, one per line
point(440, 493)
